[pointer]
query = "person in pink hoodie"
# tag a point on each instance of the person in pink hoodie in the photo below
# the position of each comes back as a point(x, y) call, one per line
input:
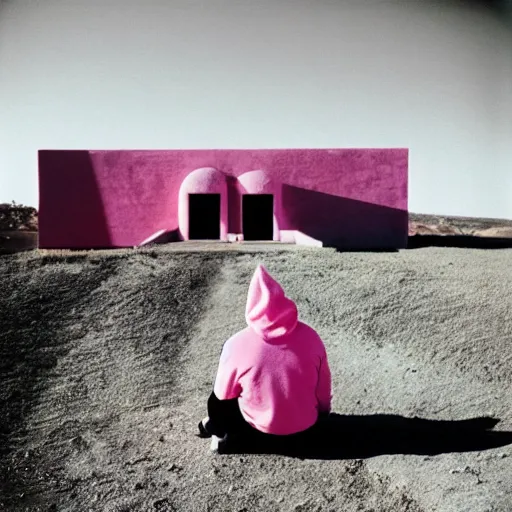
point(273, 378)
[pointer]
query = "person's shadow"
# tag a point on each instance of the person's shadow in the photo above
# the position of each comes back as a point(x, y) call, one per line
point(358, 437)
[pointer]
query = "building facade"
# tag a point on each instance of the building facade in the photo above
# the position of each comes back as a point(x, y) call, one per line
point(348, 198)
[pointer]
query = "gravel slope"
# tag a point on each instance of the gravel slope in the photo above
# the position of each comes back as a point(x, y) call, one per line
point(106, 360)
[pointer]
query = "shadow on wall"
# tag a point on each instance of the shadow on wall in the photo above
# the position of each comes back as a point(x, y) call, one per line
point(346, 224)
point(359, 437)
point(64, 221)
point(459, 241)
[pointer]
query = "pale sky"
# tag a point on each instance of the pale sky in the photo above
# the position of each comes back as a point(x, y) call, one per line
point(435, 77)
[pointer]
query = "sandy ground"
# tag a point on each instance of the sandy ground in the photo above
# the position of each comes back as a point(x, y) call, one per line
point(106, 360)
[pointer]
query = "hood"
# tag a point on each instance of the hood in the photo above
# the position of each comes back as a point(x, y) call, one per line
point(269, 312)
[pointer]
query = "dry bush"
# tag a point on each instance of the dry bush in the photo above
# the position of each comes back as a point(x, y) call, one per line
point(14, 217)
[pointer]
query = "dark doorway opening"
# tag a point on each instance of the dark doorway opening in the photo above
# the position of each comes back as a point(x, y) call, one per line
point(258, 216)
point(204, 216)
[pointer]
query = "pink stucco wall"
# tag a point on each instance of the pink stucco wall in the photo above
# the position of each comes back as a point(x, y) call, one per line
point(352, 198)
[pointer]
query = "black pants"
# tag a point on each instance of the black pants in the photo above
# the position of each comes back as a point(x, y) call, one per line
point(226, 419)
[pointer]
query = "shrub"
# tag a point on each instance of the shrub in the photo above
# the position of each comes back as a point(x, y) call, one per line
point(15, 217)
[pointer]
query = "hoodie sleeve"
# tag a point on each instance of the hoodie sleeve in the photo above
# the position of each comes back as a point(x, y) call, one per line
point(226, 385)
point(323, 389)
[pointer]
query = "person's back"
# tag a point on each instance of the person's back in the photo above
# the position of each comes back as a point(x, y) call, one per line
point(277, 382)
point(277, 367)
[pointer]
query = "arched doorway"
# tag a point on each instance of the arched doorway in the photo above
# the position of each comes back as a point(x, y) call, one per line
point(260, 203)
point(203, 208)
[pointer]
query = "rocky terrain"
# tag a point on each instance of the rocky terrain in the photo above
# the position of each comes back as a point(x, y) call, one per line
point(466, 226)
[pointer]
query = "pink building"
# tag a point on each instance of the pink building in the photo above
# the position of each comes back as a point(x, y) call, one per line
point(348, 198)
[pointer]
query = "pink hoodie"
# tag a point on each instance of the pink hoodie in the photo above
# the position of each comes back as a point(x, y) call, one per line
point(277, 367)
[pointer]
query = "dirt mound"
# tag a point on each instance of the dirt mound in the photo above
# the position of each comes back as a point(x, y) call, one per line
point(106, 361)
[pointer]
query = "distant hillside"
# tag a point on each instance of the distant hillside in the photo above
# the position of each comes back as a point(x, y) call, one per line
point(422, 224)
